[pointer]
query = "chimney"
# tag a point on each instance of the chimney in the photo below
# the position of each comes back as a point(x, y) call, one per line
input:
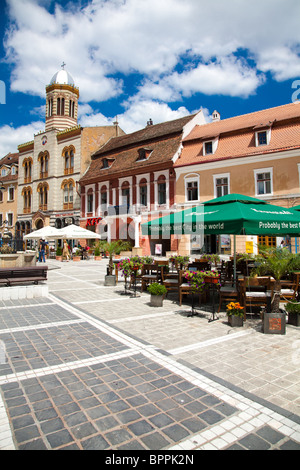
point(116, 124)
point(216, 116)
point(150, 122)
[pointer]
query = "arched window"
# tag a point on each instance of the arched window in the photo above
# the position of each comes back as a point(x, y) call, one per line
point(68, 154)
point(90, 201)
point(26, 193)
point(125, 193)
point(143, 192)
point(161, 190)
point(60, 107)
point(68, 190)
point(27, 164)
point(43, 158)
point(50, 107)
point(43, 189)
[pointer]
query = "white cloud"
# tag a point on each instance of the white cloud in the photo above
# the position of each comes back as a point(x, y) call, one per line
point(112, 37)
point(11, 137)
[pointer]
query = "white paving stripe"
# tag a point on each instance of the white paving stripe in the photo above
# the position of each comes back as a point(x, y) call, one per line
point(66, 366)
point(6, 440)
point(209, 342)
point(40, 326)
point(29, 305)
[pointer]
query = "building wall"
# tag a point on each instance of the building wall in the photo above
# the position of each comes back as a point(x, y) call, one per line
point(285, 170)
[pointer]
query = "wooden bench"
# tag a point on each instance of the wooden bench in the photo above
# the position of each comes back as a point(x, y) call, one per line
point(20, 275)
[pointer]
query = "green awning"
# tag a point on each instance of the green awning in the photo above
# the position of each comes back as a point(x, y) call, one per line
point(231, 214)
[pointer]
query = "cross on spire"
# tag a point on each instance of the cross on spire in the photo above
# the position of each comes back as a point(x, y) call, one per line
point(63, 65)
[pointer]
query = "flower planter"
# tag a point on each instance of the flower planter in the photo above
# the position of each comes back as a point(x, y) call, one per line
point(274, 323)
point(76, 258)
point(156, 300)
point(235, 321)
point(97, 258)
point(294, 319)
point(110, 280)
point(211, 280)
point(58, 258)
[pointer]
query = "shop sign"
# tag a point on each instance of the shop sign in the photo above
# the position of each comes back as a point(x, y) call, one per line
point(93, 221)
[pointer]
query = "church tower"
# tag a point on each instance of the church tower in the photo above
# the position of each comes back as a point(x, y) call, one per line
point(61, 101)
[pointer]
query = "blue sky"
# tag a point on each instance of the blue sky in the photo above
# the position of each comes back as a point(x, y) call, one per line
point(141, 59)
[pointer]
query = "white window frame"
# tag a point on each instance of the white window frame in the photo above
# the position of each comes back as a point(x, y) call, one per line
point(138, 198)
point(214, 145)
point(157, 174)
point(87, 188)
point(221, 175)
point(106, 184)
point(8, 214)
point(8, 193)
point(121, 181)
point(259, 171)
point(189, 179)
point(268, 136)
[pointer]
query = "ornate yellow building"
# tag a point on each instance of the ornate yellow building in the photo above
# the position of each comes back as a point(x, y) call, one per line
point(51, 165)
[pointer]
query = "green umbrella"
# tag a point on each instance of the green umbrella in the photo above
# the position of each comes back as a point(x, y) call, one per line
point(233, 214)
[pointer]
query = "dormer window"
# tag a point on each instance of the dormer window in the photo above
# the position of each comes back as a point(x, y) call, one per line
point(107, 163)
point(263, 134)
point(208, 148)
point(262, 138)
point(144, 153)
point(210, 144)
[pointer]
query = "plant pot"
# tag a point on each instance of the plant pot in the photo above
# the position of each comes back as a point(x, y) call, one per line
point(58, 258)
point(97, 258)
point(156, 300)
point(294, 319)
point(110, 280)
point(211, 280)
point(76, 258)
point(235, 321)
point(274, 323)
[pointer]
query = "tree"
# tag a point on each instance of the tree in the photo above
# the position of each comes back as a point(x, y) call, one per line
point(275, 262)
point(113, 248)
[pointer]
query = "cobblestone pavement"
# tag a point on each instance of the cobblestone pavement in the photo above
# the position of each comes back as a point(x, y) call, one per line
point(90, 367)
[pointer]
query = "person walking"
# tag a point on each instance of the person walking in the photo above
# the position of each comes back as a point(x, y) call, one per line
point(66, 252)
point(42, 249)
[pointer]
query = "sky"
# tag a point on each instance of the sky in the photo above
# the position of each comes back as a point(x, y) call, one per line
point(142, 59)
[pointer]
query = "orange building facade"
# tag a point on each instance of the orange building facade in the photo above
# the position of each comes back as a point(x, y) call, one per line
point(257, 155)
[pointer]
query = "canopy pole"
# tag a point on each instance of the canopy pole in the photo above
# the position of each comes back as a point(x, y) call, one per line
point(234, 260)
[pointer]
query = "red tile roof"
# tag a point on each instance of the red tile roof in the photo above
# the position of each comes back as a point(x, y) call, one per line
point(162, 139)
point(236, 135)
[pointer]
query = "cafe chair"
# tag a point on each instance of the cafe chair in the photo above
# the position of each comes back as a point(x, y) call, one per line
point(256, 292)
point(150, 273)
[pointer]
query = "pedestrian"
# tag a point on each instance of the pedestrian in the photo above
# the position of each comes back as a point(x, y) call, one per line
point(66, 252)
point(42, 249)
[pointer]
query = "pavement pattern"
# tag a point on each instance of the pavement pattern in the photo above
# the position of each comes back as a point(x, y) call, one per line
point(92, 367)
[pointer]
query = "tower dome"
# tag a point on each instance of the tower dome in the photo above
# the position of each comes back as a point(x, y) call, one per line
point(61, 101)
point(62, 77)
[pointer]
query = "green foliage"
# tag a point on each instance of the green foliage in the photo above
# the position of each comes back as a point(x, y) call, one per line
point(97, 251)
point(293, 307)
point(58, 251)
point(276, 262)
point(157, 289)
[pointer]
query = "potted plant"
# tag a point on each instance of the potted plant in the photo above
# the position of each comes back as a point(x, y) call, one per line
point(111, 248)
point(235, 314)
point(211, 277)
point(97, 253)
point(77, 255)
point(58, 256)
point(275, 262)
point(157, 291)
point(293, 310)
